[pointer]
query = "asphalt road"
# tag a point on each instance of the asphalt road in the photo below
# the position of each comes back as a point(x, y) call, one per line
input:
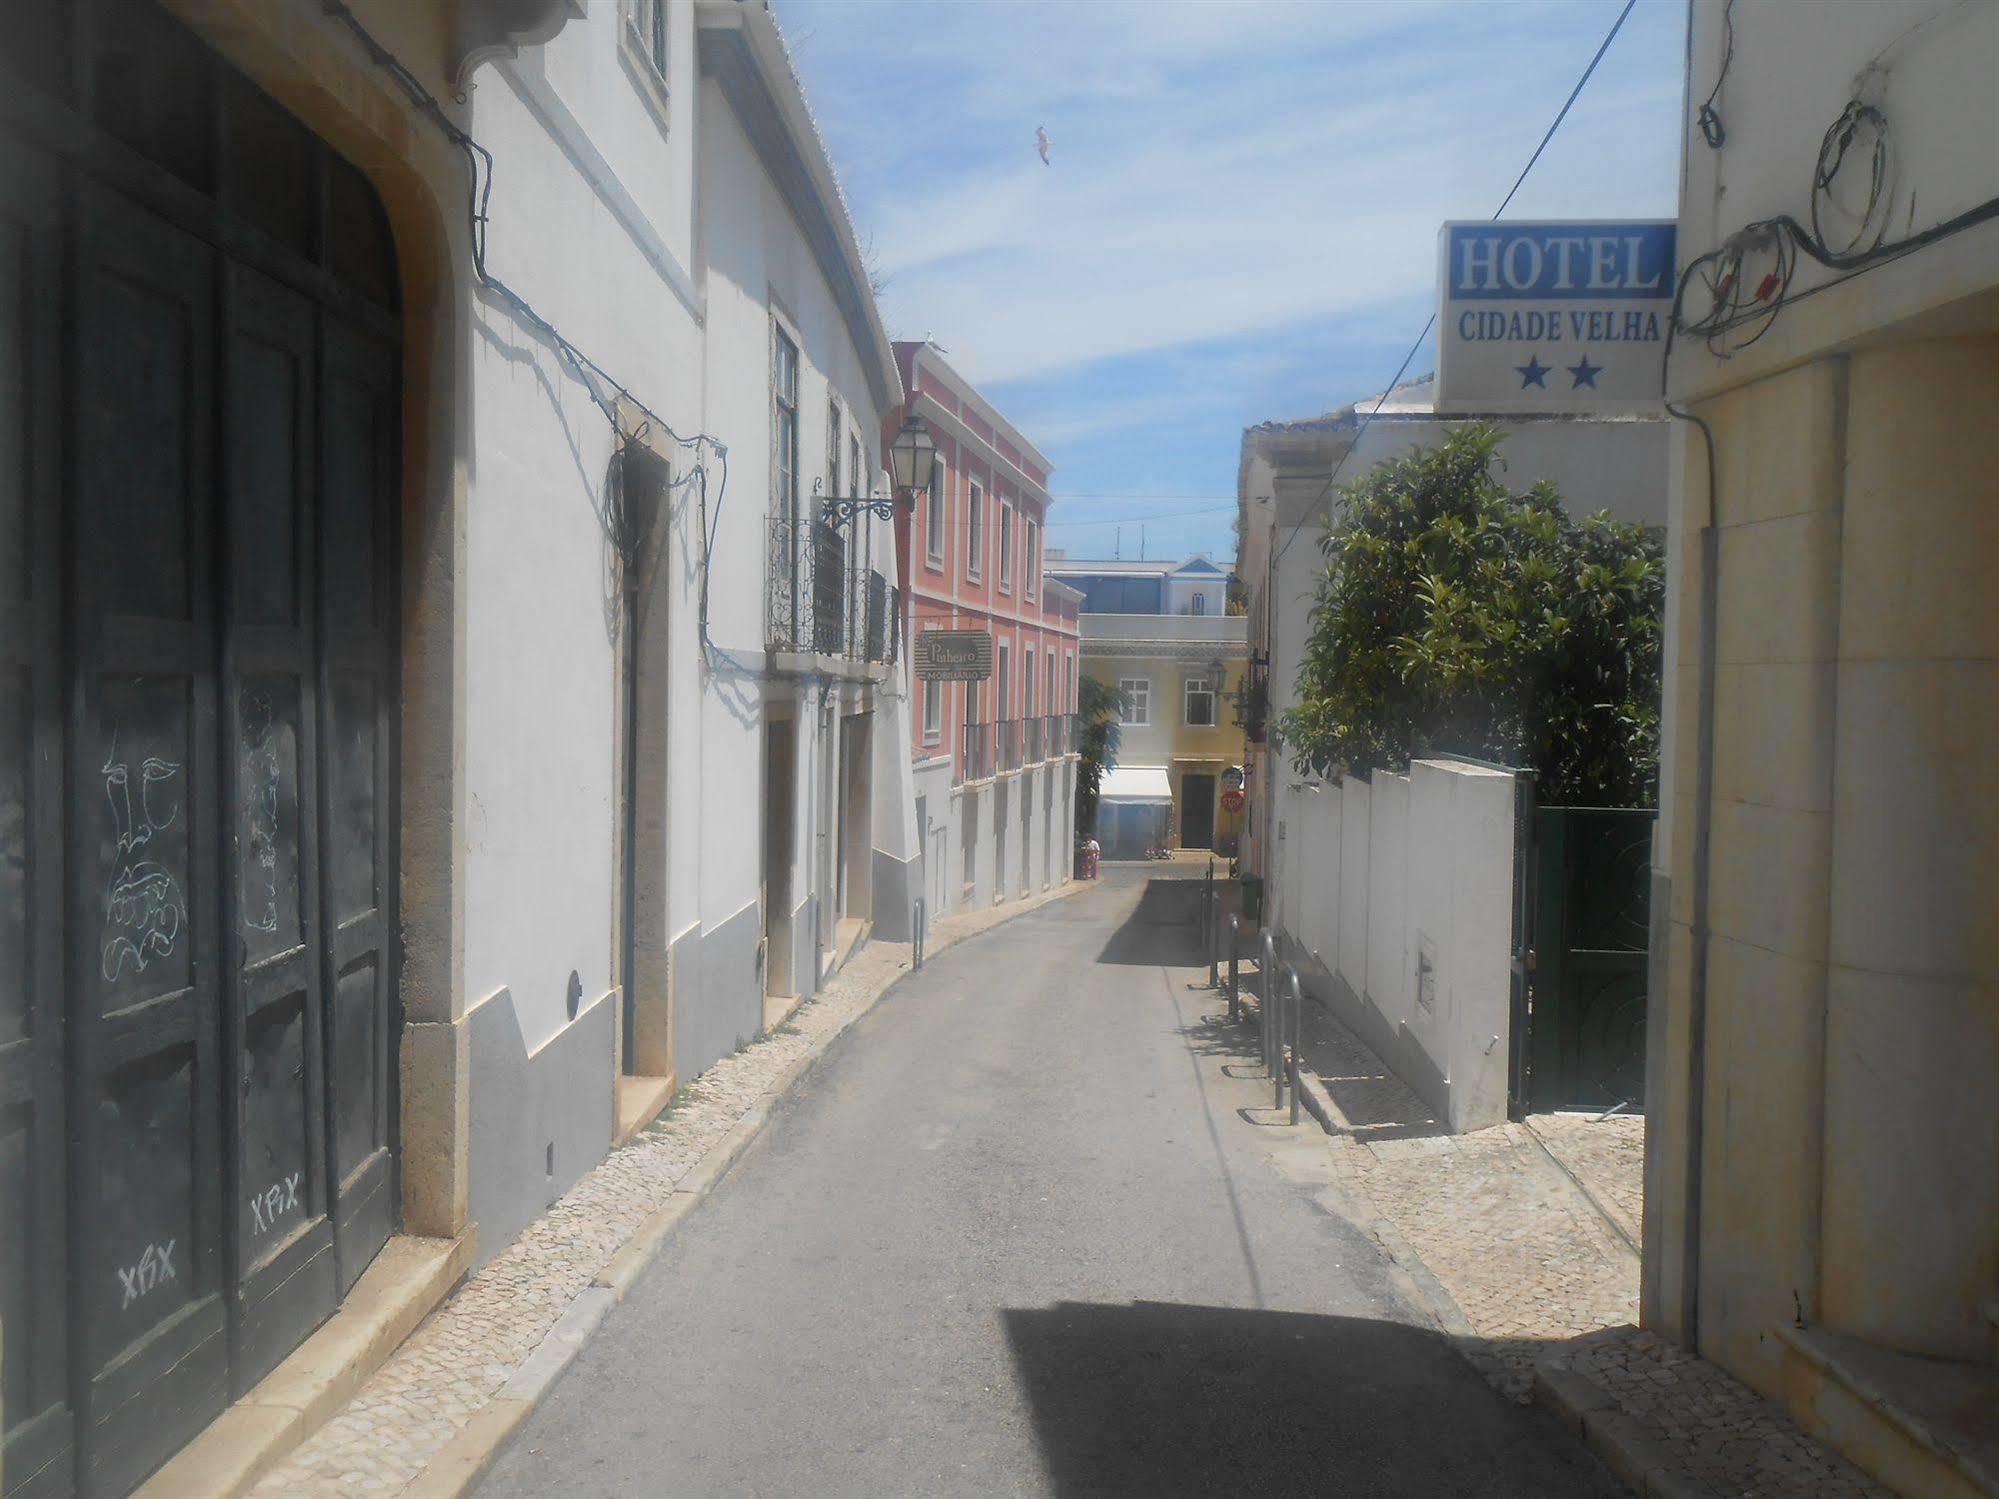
point(1015, 1237)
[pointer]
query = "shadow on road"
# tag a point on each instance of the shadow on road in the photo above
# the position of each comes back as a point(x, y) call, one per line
point(1160, 930)
point(1157, 1398)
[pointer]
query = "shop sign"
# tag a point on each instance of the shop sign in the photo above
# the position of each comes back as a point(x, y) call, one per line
point(953, 655)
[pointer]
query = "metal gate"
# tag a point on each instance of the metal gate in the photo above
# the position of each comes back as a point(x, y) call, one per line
point(198, 454)
point(1590, 905)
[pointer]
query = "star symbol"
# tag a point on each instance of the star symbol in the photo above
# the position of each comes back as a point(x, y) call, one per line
point(1533, 372)
point(1585, 373)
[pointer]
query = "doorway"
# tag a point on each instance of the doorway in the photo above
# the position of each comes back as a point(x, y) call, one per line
point(197, 1097)
point(1197, 810)
point(779, 836)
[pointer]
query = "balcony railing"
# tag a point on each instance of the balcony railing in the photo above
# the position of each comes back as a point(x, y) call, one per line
point(820, 598)
point(1007, 745)
point(1008, 734)
point(976, 764)
point(1059, 734)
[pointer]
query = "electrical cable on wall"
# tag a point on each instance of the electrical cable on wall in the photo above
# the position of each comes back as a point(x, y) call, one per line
point(593, 377)
point(1746, 280)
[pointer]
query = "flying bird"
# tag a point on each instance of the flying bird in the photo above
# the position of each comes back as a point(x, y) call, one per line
point(1042, 142)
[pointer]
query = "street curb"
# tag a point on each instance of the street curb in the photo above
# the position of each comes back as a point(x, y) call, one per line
point(1625, 1443)
point(1318, 1102)
point(459, 1465)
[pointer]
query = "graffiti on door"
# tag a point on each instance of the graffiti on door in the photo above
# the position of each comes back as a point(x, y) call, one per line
point(144, 910)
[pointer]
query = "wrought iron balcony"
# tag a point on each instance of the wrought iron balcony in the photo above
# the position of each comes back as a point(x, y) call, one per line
point(1008, 734)
point(1058, 735)
point(821, 598)
point(976, 764)
point(1033, 731)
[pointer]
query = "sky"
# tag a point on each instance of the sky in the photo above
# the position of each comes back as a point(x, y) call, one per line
point(1239, 219)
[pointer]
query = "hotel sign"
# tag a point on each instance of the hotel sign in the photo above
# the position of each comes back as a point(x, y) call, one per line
point(953, 655)
point(1555, 317)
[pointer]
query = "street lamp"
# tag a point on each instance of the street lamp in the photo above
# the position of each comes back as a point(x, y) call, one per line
point(912, 457)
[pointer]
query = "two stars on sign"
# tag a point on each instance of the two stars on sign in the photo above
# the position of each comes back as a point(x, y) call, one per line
point(1535, 373)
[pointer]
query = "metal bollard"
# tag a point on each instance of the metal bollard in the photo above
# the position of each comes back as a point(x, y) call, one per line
point(1277, 1070)
point(917, 926)
point(1266, 1008)
point(1297, 1024)
point(1235, 970)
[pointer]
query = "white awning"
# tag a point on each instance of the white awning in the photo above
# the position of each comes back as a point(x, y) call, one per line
point(1136, 785)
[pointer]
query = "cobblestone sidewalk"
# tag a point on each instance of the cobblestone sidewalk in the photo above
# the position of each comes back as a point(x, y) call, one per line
point(1531, 1232)
point(473, 1344)
point(1522, 1254)
point(1716, 1429)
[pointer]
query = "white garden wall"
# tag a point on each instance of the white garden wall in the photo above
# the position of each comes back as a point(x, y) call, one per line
point(1394, 898)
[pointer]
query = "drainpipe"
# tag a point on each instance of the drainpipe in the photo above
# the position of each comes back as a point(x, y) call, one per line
point(1709, 602)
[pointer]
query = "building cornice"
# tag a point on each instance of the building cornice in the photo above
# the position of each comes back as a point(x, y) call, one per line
point(1167, 650)
point(922, 353)
point(936, 412)
point(741, 51)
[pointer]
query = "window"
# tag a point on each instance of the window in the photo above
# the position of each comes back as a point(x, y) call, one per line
point(1137, 701)
point(1006, 546)
point(1073, 703)
point(642, 42)
point(933, 712)
point(1027, 685)
point(975, 540)
point(833, 425)
point(1201, 702)
point(1004, 700)
point(1200, 603)
point(857, 468)
point(1031, 558)
point(784, 413)
point(933, 517)
point(1054, 704)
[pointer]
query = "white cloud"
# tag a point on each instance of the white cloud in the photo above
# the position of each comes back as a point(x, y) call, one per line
point(1219, 168)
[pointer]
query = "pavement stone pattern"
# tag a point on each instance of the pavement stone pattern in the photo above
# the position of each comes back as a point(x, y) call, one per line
point(459, 1358)
point(1718, 1430)
point(1606, 1153)
point(1521, 1252)
point(1539, 1276)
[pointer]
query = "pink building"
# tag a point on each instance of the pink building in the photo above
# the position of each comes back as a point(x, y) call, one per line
point(995, 767)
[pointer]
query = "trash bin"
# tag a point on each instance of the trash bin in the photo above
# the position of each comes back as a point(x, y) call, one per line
point(1252, 897)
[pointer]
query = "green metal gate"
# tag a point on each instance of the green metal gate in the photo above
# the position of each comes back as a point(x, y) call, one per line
point(1589, 916)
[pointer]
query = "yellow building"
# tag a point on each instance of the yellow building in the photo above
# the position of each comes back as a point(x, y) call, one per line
point(1159, 633)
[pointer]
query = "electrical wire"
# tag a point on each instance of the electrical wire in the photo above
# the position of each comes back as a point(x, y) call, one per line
point(1738, 298)
point(593, 377)
point(1431, 321)
point(1712, 130)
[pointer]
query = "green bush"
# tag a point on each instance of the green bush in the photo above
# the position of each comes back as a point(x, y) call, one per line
point(1456, 615)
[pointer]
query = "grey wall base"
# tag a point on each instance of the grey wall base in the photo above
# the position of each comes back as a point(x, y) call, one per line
point(898, 882)
point(528, 1108)
point(717, 991)
point(1361, 1015)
